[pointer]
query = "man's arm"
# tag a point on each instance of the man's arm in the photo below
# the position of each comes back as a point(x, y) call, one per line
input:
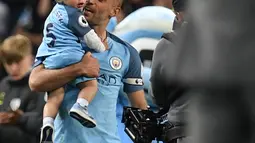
point(133, 82)
point(43, 80)
point(137, 99)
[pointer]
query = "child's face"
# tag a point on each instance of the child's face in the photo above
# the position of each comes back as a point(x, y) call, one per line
point(76, 3)
point(17, 70)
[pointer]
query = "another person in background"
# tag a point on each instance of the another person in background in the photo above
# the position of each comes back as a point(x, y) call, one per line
point(7, 24)
point(20, 122)
point(168, 93)
point(217, 62)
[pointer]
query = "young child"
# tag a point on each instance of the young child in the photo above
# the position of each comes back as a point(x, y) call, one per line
point(61, 46)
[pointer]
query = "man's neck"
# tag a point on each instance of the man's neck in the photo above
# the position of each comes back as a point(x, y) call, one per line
point(101, 31)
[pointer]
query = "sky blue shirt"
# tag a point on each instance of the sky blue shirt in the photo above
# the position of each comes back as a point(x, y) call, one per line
point(120, 65)
point(63, 29)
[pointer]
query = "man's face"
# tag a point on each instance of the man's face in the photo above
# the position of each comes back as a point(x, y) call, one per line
point(76, 3)
point(17, 70)
point(98, 12)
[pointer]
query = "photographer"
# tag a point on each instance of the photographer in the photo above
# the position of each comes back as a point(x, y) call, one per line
point(217, 63)
point(168, 93)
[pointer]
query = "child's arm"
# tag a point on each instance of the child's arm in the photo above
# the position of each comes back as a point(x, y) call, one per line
point(79, 25)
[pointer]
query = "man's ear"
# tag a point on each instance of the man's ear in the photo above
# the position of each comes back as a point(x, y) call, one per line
point(115, 11)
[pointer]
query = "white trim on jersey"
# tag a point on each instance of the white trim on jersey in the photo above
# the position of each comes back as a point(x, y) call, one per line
point(133, 81)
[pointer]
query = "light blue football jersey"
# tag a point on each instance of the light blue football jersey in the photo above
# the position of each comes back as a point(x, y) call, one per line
point(62, 30)
point(119, 65)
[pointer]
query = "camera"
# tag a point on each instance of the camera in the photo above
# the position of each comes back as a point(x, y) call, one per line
point(144, 126)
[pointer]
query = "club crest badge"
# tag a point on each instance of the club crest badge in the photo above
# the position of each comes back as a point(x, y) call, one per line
point(116, 63)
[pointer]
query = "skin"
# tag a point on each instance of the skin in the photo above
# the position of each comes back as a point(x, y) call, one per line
point(76, 3)
point(98, 14)
point(17, 70)
point(10, 117)
point(44, 7)
point(165, 3)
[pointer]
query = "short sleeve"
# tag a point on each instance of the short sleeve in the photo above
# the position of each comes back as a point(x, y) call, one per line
point(133, 78)
point(77, 22)
point(37, 62)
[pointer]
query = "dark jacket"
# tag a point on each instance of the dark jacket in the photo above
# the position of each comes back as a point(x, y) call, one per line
point(2, 72)
point(167, 92)
point(218, 45)
point(32, 103)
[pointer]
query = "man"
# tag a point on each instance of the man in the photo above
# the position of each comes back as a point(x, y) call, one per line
point(167, 92)
point(20, 121)
point(120, 63)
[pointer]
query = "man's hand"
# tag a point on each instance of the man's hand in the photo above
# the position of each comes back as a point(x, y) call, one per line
point(10, 117)
point(88, 66)
point(42, 80)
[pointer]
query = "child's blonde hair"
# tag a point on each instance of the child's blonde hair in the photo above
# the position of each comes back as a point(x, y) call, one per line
point(15, 48)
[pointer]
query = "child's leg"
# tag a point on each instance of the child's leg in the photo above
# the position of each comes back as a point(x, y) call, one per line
point(50, 111)
point(88, 91)
point(80, 109)
point(55, 98)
